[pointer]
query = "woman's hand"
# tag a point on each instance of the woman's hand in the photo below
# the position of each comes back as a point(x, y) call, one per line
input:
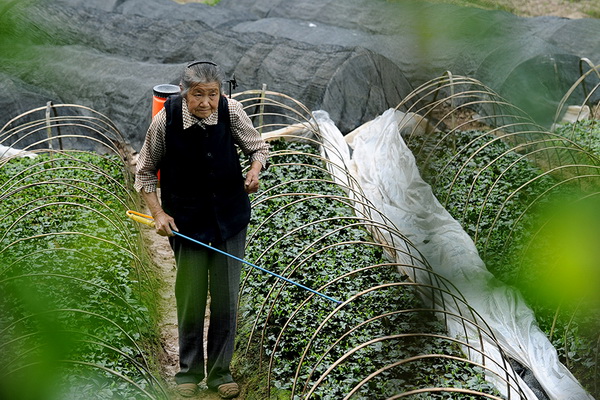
point(252, 182)
point(164, 224)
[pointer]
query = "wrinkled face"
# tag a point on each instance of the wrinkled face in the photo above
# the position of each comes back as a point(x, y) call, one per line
point(203, 99)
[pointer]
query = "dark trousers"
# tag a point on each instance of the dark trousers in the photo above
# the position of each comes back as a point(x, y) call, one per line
point(201, 271)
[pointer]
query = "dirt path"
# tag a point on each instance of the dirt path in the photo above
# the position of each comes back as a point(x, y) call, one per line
point(162, 258)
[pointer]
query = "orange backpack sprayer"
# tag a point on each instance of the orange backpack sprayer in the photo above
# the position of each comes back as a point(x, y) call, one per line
point(160, 94)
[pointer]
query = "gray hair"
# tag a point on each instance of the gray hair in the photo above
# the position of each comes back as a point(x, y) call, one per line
point(200, 72)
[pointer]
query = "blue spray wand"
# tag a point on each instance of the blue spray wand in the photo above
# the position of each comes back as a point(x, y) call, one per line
point(148, 220)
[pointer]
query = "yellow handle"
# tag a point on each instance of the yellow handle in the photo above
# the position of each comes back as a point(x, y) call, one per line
point(139, 217)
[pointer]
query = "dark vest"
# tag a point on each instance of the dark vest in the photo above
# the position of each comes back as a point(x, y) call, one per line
point(202, 186)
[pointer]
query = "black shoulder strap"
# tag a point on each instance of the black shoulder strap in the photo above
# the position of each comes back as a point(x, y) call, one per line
point(224, 111)
point(174, 113)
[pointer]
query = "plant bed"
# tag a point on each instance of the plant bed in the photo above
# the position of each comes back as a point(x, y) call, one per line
point(304, 346)
point(522, 219)
point(78, 312)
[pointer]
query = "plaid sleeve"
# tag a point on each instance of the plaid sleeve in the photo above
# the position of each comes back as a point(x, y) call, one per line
point(150, 155)
point(246, 136)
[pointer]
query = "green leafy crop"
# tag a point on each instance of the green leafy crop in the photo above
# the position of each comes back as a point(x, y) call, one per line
point(77, 314)
point(303, 227)
point(533, 227)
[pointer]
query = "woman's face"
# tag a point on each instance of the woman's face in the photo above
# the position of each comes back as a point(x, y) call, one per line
point(203, 99)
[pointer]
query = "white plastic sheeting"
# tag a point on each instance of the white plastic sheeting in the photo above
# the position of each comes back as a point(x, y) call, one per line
point(377, 157)
point(6, 152)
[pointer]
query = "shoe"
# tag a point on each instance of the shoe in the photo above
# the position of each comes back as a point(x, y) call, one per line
point(228, 390)
point(187, 389)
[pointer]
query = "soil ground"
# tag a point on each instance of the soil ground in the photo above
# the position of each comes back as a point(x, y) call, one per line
point(526, 8)
point(558, 8)
point(162, 255)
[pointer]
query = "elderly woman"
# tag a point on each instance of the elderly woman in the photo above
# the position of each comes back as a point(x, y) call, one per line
point(192, 141)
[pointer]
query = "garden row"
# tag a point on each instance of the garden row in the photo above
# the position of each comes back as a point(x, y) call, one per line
point(531, 207)
point(78, 306)
point(382, 341)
